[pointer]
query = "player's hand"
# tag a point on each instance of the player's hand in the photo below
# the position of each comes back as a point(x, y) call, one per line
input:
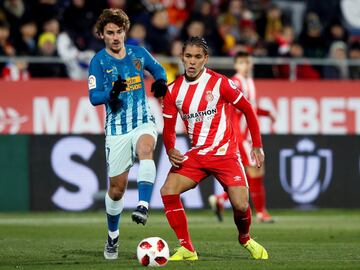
point(272, 117)
point(119, 86)
point(175, 157)
point(257, 155)
point(159, 88)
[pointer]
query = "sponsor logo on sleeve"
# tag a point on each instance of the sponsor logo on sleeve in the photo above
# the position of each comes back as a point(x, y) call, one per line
point(92, 82)
point(232, 84)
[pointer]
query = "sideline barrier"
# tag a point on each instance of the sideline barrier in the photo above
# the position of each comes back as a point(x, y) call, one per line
point(53, 172)
point(63, 107)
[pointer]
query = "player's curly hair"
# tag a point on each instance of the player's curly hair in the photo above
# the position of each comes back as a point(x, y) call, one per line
point(115, 16)
point(196, 41)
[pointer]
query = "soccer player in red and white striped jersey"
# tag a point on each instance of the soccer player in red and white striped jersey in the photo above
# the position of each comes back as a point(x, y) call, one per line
point(204, 99)
point(255, 176)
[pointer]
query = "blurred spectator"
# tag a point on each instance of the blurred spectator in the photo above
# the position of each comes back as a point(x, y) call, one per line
point(326, 10)
point(177, 14)
point(115, 4)
point(193, 28)
point(285, 40)
point(16, 71)
point(51, 25)
point(137, 36)
point(261, 27)
point(15, 11)
point(26, 43)
point(204, 13)
point(303, 71)
point(76, 61)
point(311, 38)
point(47, 47)
point(225, 31)
point(2, 14)
point(158, 33)
point(172, 69)
point(78, 22)
point(249, 35)
point(6, 48)
point(95, 43)
point(335, 32)
point(140, 10)
point(354, 54)
point(47, 44)
point(44, 10)
point(270, 24)
point(239, 47)
point(294, 11)
point(340, 70)
point(228, 24)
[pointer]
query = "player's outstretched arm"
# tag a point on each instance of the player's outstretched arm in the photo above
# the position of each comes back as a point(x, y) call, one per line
point(252, 122)
point(169, 136)
point(267, 113)
point(234, 96)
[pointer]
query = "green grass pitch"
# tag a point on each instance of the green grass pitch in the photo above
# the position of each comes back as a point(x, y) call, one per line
point(326, 239)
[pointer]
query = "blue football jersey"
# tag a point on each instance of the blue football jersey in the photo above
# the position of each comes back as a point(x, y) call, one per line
point(104, 71)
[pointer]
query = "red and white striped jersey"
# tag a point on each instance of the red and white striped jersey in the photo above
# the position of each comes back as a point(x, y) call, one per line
point(204, 106)
point(247, 87)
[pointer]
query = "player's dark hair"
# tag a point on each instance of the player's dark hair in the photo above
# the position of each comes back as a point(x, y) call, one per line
point(196, 41)
point(115, 16)
point(241, 54)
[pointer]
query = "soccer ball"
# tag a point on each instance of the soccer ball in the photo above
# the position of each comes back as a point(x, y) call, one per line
point(153, 251)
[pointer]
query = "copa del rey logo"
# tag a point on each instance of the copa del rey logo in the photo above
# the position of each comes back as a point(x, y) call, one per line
point(305, 171)
point(11, 120)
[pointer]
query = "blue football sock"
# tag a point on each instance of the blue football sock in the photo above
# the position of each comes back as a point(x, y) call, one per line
point(146, 179)
point(113, 212)
point(145, 190)
point(113, 222)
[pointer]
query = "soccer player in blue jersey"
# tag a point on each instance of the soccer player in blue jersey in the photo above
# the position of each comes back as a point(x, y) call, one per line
point(116, 79)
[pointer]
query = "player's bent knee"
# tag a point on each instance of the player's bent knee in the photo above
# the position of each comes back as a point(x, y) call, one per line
point(241, 206)
point(145, 151)
point(168, 189)
point(164, 190)
point(116, 193)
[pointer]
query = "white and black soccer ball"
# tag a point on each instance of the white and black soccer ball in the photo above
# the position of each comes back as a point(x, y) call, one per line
point(153, 251)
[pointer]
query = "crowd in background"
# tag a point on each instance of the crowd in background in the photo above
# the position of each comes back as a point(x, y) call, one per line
point(265, 28)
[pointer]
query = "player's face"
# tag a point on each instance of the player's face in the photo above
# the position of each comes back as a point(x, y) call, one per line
point(243, 66)
point(114, 37)
point(194, 60)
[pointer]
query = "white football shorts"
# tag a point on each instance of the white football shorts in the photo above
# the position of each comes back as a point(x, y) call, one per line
point(120, 150)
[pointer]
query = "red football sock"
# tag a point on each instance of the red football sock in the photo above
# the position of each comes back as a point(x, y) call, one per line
point(243, 221)
point(223, 196)
point(257, 192)
point(176, 217)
